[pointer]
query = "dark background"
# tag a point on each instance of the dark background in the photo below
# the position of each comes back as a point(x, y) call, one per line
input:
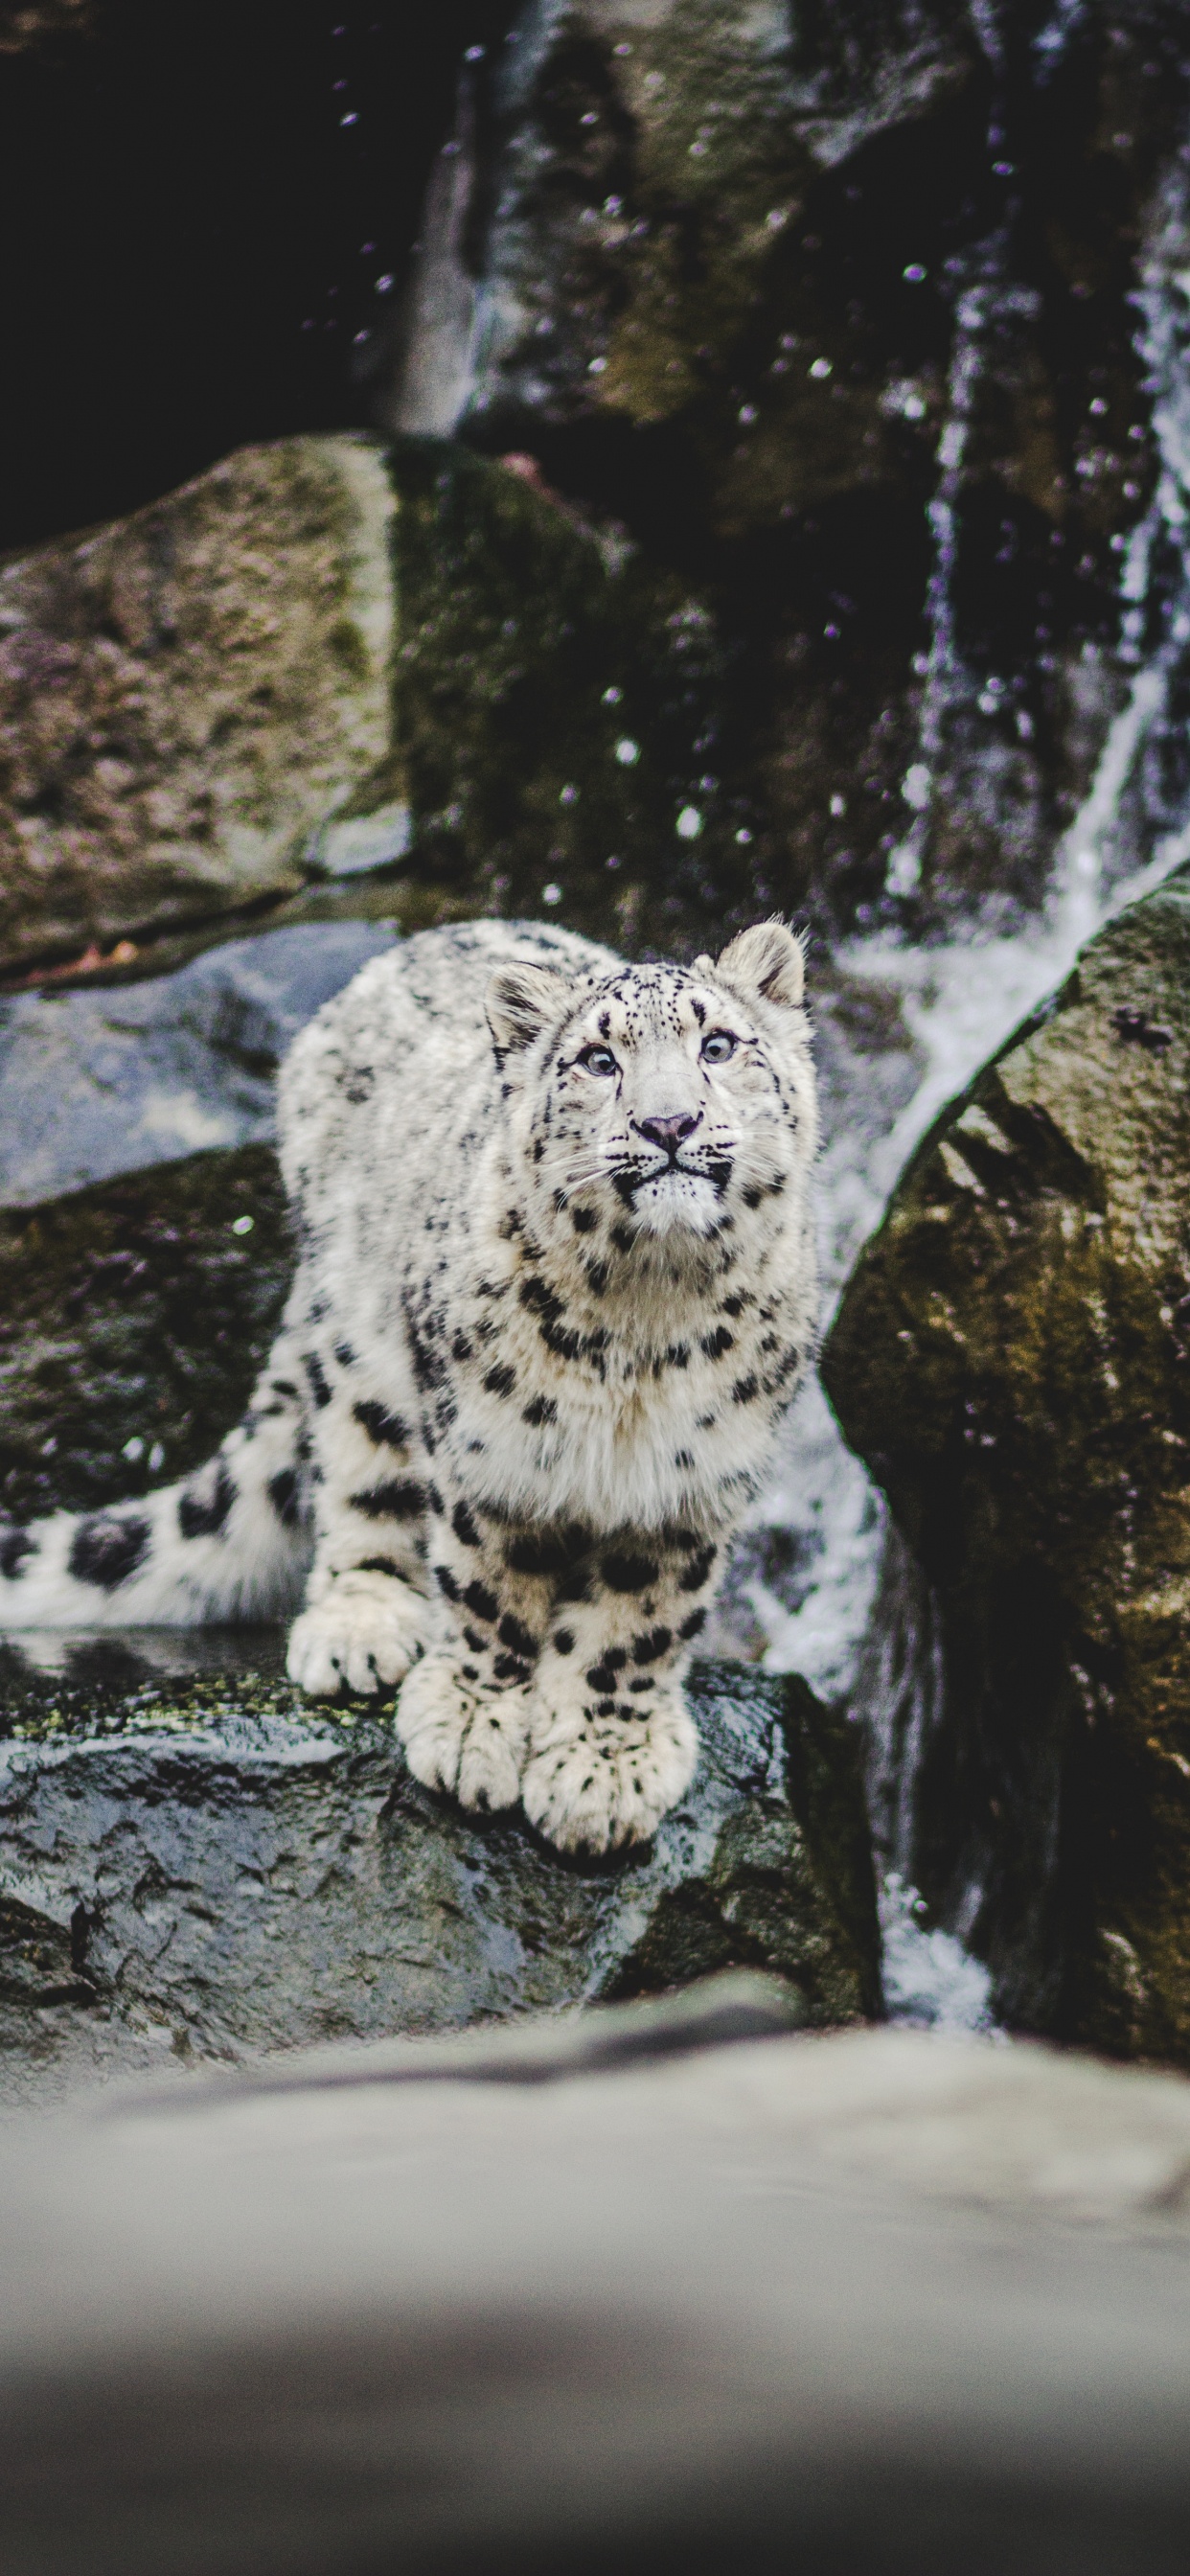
point(184, 226)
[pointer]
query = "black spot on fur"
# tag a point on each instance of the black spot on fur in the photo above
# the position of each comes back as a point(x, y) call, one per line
point(106, 1550)
point(376, 1565)
point(282, 1386)
point(542, 1409)
point(460, 1348)
point(509, 1668)
point(693, 1626)
point(753, 1197)
point(513, 1632)
point(434, 1500)
point(285, 1499)
point(744, 1390)
point(15, 1546)
point(678, 1355)
point(500, 1380)
point(479, 1645)
point(483, 1602)
point(683, 1458)
point(649, 1648)
point(628, 1573)
point(698, 1569)
point(385, 1428)
point(345, 1355)
point(317, 1377)
point(646, 1683)
point(733, 1305)
point(202, 1516)
point(604, 1708)
point(564, 1641)
point(597, 1277)
point(400, 1500)
point(540, 1299)
point(446, 1582)
point(584, 1220)
point(464, 1527)
point(714, 1344)
point(622, 1238)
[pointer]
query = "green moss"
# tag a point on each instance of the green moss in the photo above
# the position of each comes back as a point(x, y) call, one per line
point(1012, 1358)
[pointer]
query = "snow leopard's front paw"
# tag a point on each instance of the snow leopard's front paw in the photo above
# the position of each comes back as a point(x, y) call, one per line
point(366, 1630)
point(593, 1783)
point(457, 1737)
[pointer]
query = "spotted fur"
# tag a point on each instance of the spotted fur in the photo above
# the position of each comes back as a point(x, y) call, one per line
point(555, 1293)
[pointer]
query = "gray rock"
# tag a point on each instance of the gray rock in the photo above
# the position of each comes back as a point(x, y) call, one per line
point(196, 1863)
point(870, 2303)
point(118, 1077)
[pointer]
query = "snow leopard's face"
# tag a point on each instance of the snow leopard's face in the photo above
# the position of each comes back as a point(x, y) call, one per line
point(669, 1102)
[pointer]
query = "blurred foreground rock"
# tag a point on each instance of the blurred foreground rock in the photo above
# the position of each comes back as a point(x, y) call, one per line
point(195, 1862)
point(1012, 1360)
point(606, 2294)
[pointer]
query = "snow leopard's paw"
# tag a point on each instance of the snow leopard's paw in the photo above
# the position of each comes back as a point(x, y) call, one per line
point(366, 1631)
point(457, 1737)
point(593, 1783)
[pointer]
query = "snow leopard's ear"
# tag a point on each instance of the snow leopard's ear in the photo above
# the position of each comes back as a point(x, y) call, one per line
point(766, 964)
point(521, 1002)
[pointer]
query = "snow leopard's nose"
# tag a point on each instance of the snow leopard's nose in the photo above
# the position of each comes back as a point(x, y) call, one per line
point(669, 1133)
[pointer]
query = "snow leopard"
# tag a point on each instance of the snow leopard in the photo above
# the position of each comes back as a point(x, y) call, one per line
point(554, 1293)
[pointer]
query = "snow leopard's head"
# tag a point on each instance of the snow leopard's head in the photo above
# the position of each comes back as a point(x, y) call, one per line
point(660, 1100)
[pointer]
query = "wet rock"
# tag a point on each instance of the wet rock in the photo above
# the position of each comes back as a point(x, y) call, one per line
point(1011, 1360)
point(187, 695)
point(133, 1319)
point(837, 320)
point(197, 1863)
point(114, 1077)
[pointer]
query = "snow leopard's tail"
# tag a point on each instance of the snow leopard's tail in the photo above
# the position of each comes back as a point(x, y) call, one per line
point(231, 1541)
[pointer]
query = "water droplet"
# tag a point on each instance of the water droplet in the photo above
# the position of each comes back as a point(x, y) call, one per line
point(747, 411)
point(689, 823)
point(838, 806)
point(475, 53)
point(597, 367)
point(613, 863)
point(385, 284)
point(568, 796)
point(551, 894)
point(350, 119)
point(822, 367)
point(133, 1449)
point(627, 751)
point(914, 273)
point(156, 1458)
point(612, 697)
point(242, 1224)
point(744, 839)
point(915, 786)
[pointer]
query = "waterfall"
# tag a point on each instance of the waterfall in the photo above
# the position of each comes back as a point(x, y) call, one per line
point(863, 1628)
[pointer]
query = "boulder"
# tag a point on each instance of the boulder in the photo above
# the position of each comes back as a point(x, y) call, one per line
point(834, 314)
point(187, 695)
point(195, 1863)
point(1011, 1359)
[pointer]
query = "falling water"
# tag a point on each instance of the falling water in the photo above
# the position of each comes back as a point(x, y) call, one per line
point(861, 1627)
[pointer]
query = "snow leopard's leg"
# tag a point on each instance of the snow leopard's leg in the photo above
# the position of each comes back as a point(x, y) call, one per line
point(463, 1715)
point(612, 1742)
point(366, 1615)
point(228, 1542)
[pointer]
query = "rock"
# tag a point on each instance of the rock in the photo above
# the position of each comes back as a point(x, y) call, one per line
point(195, 1861)
point(867, 2301)
point(817, 315)
point(188, 695)
point(1011, 1360)
point(135, 1316)
point(115, 1077)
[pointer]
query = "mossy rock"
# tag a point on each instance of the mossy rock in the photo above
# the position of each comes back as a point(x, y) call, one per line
point(1012, 1359)
point(196, 1862)
point(135, 1312)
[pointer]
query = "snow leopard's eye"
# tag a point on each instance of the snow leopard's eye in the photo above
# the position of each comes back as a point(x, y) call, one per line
point(717, 1047)
point(597, 1059)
